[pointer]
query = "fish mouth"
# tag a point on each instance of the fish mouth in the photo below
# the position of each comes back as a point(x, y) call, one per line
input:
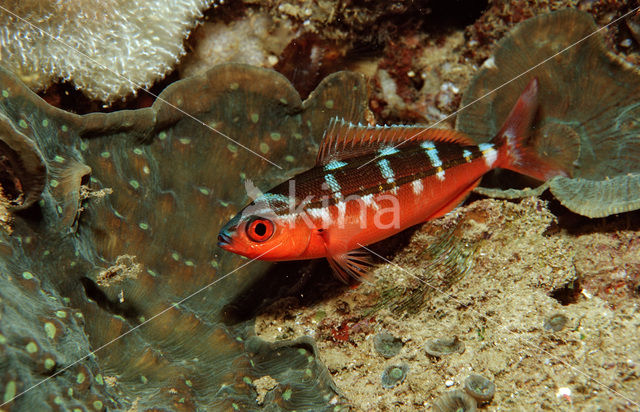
point(224, 240)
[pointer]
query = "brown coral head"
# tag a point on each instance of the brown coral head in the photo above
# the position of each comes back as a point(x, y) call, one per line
point(22, 170)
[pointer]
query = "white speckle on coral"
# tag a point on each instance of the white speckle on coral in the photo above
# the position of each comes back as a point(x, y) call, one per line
point(490, 63)
point(564, 393)
point(390, 90)
point(272, 60)
point(449, 87)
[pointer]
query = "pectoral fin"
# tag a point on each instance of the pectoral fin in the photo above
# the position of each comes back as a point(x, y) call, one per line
point(346, 263)
point(355, 264)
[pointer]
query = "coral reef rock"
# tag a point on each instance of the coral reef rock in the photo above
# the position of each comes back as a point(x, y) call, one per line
point(254, 39)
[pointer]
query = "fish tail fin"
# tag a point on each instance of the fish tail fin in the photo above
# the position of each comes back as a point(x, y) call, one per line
point(513, 153)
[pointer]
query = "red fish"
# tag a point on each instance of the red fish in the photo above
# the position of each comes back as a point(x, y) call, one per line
point(372, 182)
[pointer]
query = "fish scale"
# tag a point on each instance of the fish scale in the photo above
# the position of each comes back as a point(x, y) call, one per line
point(363, 175)
point(370, 183)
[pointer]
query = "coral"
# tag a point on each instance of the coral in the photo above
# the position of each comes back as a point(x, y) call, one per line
point(308, 58)
point(148, 189)
point(119, 45)
point(387, 345)
point(349, 21)
point(124, 230)
point(41, 334)
point(596, 140)
point(440, 347)
point(405, 49)
point(555, 322)
point(496, 21)
point(394, 375)
point(479, 387)
point(254, 39)
point(455, 401)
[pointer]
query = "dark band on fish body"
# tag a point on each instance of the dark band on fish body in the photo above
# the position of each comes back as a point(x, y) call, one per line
point(408, 164)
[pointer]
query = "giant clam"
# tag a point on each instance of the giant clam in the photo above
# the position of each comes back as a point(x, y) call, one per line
point(171, 182)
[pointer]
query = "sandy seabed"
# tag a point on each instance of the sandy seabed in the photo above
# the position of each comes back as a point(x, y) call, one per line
point(526, 268)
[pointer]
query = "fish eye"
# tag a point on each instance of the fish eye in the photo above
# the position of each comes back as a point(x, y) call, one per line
point(259, 229)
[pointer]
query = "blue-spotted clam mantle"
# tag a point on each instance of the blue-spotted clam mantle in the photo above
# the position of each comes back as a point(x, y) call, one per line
point(154, 186)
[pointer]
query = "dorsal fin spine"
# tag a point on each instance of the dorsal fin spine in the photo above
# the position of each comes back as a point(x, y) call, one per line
point(345, 140)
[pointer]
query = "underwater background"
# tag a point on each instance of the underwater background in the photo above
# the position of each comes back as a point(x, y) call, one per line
point(114, 295)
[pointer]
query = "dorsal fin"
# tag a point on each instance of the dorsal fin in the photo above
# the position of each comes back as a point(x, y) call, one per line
point(344, 140)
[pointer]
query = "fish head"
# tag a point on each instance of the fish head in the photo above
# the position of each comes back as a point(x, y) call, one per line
point(257, 232)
